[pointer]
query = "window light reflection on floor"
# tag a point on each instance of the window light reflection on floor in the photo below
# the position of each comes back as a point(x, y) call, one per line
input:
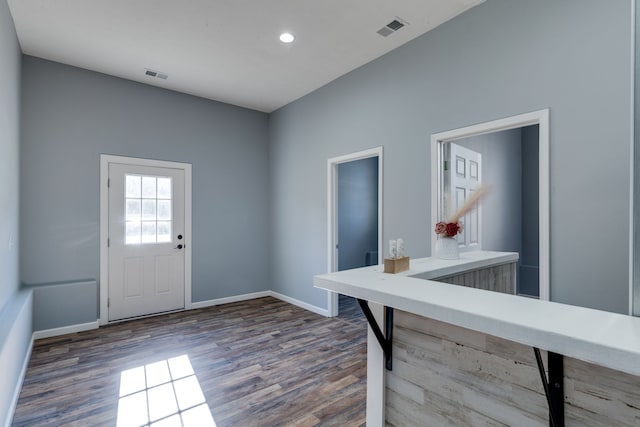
point(163, 394)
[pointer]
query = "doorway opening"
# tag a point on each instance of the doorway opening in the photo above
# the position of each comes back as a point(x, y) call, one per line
point(515, 214)
point(354, 200)
point(145, 237)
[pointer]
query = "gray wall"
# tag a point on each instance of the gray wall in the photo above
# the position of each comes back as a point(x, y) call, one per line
point(9, 149)
point(71, 116)
point(501, 58)
point(56, 304)
point(357, 212)
point(15, 306)
point(502, 170)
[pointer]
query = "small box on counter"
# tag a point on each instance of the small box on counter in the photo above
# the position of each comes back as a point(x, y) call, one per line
point(396, 265)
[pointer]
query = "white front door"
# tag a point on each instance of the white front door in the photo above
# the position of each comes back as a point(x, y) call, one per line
point(465, 174)
point(146, 240)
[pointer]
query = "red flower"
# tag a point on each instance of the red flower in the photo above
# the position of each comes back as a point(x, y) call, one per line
point(448, 229)
point(452, 229)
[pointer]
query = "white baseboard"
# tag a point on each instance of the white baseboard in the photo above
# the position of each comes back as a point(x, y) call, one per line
point(301, 304)
point(227, 300)
point(18, 389)
point(245, 297)
point(47, 333)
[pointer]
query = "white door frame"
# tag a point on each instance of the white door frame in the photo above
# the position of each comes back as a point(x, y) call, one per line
point(105, 160)
point(540, 118)
point(332, 223)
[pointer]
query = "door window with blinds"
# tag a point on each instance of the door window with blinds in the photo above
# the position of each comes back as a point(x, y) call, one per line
point(148, 213)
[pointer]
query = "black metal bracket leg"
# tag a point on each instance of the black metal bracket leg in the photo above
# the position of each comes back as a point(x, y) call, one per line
point(554, 387)
point(386, 339)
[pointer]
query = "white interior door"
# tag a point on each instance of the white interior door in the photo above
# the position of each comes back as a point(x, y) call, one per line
point(146, 240)
point(465, 176)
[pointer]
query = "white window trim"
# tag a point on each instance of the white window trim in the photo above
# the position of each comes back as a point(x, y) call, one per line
point(105, 160)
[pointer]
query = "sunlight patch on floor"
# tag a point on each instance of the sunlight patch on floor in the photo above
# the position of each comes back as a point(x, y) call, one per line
point(163, 394)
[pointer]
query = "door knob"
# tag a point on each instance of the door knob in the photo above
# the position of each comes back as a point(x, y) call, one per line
point(178, 247)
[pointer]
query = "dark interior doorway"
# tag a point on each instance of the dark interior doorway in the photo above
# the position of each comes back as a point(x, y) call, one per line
point(357, 217)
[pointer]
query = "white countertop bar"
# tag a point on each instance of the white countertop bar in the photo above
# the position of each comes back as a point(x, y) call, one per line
point(607, 339)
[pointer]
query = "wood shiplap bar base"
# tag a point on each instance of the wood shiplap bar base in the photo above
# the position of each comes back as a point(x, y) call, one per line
point(500, 278)
point(447, 375)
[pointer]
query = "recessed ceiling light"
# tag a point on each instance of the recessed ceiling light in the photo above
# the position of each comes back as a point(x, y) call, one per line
point(286, 37)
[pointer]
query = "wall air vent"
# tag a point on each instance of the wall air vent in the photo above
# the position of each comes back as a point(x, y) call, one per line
point(151, 73)
point(392, 27)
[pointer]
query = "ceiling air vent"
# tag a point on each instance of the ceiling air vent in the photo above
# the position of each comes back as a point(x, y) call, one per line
point(151, 73)
point(392, 27)
point(395, 25)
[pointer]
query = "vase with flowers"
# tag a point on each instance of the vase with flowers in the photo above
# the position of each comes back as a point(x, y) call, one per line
point(447, 244)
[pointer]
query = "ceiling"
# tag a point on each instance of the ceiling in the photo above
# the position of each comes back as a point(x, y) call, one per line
point(225, 50)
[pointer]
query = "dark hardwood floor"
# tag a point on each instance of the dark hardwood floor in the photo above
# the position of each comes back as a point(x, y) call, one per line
point(261, 362)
